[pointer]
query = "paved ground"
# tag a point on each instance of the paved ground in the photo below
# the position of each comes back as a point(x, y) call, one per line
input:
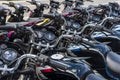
point(47, 1)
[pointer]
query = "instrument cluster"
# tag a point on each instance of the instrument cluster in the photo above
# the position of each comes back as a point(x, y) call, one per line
point(73, 25)
point(45, 36)
point(7, 54)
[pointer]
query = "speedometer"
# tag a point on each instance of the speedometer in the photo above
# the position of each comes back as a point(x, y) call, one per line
point(49, 36)
point(96, 18)
point(39, 33)
point(10, 54)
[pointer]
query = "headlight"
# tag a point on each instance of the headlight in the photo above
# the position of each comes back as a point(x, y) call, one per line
point(76, 25)
point(49, 36)
point(96, 18)
point(9, 54)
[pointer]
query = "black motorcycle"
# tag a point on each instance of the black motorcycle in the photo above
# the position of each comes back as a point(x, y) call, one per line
point(42, 66)
point(3, 15)
point(54, 6)
point(18, 15)
point(38, 11)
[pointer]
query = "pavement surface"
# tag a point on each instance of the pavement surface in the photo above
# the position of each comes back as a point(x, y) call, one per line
point(96, 2)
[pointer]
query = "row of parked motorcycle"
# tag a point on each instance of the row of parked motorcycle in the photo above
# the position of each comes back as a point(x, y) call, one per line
point(77, 43)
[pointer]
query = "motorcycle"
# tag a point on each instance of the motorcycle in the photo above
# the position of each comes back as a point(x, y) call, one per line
point(61, 66)
point(114, 9)
point(3, 15)
point(38, 11)
point(68, 4)
point(98, 52)
point(108, 34)
point(18, 15)
point(54, 6)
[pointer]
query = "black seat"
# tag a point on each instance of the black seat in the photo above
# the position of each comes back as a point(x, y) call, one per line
point(112, 42)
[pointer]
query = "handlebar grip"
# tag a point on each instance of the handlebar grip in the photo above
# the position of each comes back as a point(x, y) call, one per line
point(58, 64)
point(78, 9)
point(5, 3)
point(49, 15)
point(10, 4)
point(7, 28)
point(94, 77)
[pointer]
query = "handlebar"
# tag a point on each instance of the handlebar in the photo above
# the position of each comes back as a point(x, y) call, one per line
point(5, 3)
point(7, 28)
point(110, 18)
point(49, 16)
point(5, 68)
point(11, 4)
point(56, 17)
point(42, 59)
point(55, 44)
point(97, 26)
point(43, 5)
point(14, 27)
point(64, 36)
point(53, 16)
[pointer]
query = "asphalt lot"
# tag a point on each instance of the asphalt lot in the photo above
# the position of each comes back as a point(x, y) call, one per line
point(96, 2)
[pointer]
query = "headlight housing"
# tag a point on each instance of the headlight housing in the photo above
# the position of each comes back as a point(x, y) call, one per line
point(49, 36)
point(9, 54)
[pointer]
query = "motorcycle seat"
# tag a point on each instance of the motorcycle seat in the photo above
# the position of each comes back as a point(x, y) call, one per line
point(113, 63)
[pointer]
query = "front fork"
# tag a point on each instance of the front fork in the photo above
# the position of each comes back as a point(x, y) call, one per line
point(22, 77)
